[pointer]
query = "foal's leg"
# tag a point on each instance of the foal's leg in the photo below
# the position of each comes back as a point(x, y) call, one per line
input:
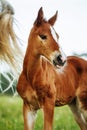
point(78, 116)
point(29, 117)
point(48, 114)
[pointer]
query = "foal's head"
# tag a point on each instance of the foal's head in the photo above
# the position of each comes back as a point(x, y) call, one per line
point(44, 40)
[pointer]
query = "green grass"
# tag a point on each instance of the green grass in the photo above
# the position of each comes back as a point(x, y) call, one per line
point(11, 116)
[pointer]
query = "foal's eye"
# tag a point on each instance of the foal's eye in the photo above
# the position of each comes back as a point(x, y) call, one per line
point(44, 37)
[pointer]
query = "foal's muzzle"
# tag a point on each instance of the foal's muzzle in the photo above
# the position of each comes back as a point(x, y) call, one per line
point(59, 61)
point(58, 58)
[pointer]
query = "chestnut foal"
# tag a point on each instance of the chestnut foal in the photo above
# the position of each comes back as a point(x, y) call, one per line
point(49, 79)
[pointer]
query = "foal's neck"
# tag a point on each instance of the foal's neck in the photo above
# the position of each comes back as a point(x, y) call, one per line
point(30, 60)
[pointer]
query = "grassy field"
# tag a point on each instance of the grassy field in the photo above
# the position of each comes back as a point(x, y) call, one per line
point(11, 116)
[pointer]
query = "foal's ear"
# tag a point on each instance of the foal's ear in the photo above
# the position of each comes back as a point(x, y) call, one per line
point(39, 18)
point(52, 20)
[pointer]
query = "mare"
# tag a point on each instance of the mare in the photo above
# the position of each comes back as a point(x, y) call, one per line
point(10, 51)
point(49, 79)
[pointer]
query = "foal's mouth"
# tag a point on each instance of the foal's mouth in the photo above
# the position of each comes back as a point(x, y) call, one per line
point(58, 64)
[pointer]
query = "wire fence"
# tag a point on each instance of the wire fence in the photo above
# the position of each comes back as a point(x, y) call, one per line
point(8, 84)
point(8, 81)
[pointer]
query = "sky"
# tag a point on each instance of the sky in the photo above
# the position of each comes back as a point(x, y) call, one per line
point(71, 24)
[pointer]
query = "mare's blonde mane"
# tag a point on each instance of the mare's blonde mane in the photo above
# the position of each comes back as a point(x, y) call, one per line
point(9, 49)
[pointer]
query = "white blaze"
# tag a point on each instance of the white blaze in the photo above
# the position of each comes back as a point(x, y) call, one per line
point(62, 54)
point(56, 39)
point(54, 34)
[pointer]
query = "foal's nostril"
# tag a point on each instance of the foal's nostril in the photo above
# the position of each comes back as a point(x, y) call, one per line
point(59, 59)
